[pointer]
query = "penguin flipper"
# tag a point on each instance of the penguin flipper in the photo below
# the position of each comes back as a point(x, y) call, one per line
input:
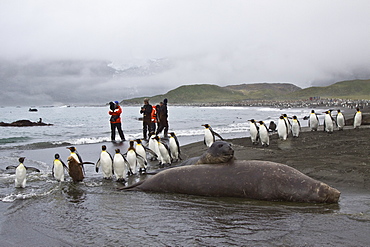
point(150, 151)
point(64, 165)
point(32, 169)
point(10, 167)
point(97, 166)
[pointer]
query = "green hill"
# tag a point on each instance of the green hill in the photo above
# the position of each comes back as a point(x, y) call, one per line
point(202, 93)
point(356, 89)
point(205, 93)
point(263, 91)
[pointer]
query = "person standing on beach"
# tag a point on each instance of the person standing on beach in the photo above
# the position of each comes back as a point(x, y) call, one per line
point(163, 118)
point(146, 110)
point(115, 120)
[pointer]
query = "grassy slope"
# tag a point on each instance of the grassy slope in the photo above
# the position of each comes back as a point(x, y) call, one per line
point(356, 89)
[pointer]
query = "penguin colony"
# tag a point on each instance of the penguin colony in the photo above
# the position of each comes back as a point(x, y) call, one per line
point(135, 159)
point(287, 126)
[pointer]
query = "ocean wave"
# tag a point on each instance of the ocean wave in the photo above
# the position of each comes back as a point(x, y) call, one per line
point(9, 140)
point(23, 196)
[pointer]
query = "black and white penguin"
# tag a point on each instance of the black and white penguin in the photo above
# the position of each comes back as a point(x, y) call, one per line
point(282, 128)
point(263, 134)
point(296, 126)
point(313, 121)
point(289, 125)
point(165, 152)
point(210, 135)
point(153, 145)
point(120, 166)
point(141, 150)
point(131, 157)
point(58, 168)
point(328, 122)
point(174, 146)
point(253, 130)
point(20, 174)
point(106, 163)
point(341, 122)
point(357, 119)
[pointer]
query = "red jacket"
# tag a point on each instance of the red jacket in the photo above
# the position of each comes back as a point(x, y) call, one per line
point(115, 115)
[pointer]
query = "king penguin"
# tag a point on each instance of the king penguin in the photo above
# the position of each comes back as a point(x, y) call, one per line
point(328, 122)
point(340, 120)
point(106, 163)
point(153, 145)
point(282, 128)
point(209, 135)
point(289, 125)
point(75, 154)
point(263, 134)
point(174, 146)
point(131, 157)
point(313, 121)
point(58, 168)
point(20, 174)
point(357, 118)
point(120, 166)
point(296, 126)
point(253, 130)
point(140, 150)
point(165, 152)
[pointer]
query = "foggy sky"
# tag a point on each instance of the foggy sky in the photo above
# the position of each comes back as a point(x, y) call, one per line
point(215, 42)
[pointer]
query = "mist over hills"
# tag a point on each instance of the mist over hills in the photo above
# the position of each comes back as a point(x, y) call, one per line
point(96, 82)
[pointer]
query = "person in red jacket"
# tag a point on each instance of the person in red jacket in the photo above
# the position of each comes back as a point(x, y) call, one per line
point(115, 120)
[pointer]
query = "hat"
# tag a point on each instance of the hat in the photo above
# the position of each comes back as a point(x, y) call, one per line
point(116, 102)
point(146, 100)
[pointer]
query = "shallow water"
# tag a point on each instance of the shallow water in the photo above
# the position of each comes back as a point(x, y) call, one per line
point(95, 213)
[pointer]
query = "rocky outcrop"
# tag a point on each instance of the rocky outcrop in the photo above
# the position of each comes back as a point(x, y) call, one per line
point(23, 123)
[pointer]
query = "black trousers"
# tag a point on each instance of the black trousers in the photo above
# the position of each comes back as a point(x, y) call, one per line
point(163, 125)
point(113, 127)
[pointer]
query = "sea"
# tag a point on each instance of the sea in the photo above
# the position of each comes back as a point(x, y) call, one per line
point(95, 213)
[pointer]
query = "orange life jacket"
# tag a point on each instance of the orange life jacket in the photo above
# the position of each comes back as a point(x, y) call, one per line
point(153, 115)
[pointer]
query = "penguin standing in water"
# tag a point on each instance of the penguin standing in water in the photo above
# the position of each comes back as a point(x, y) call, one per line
point(120, 166)
point(75, 154)
point(141, 151)
point(340, 120)
point(253, 130)
point(357, 118)
point(76, 169)
point(165, 152)
point(58, 168)
point(296, 126)
point(106, 163)
point(282, 128)
point(263, 134)
point(209, 135)
point(20, 174)
point(174, 146)
point(313, 121)
point(328, 122)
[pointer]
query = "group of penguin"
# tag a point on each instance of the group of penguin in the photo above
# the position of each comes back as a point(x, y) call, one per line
point(120, 165)
point(260, 132)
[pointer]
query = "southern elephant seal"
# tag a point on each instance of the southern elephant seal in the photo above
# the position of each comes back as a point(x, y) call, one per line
point(261, 180)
